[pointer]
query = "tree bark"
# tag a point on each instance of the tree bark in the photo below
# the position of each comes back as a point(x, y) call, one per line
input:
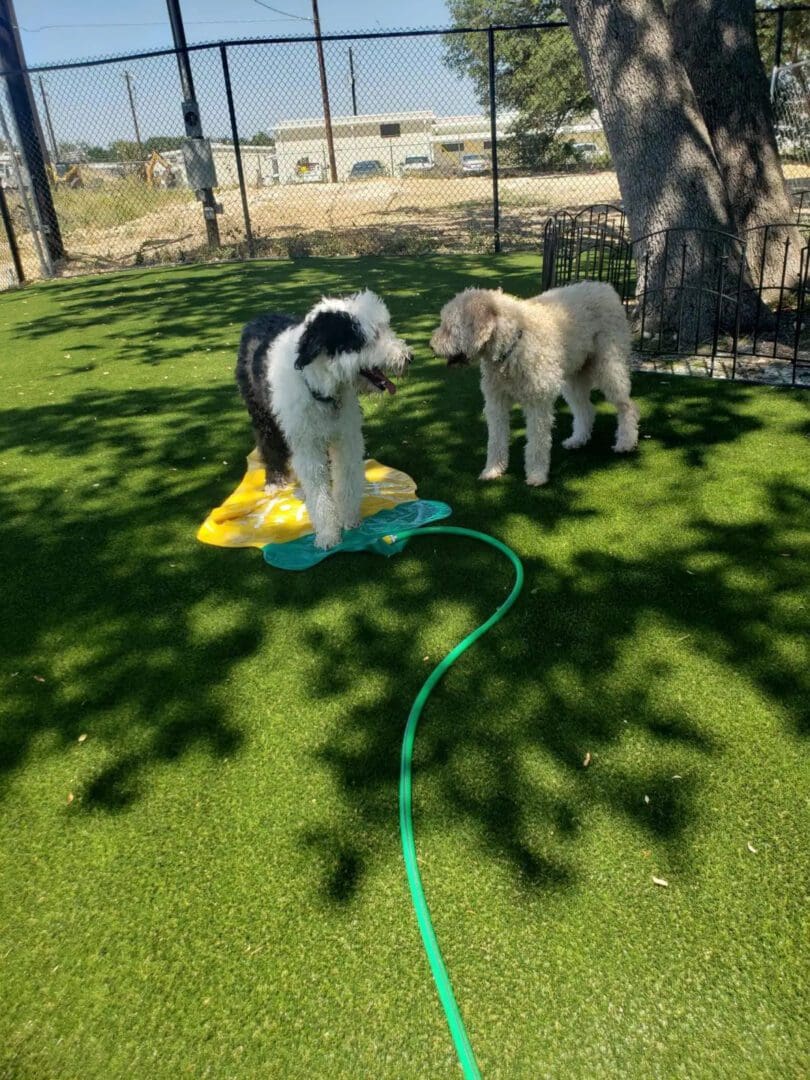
point(716, 39)
point(665, 162)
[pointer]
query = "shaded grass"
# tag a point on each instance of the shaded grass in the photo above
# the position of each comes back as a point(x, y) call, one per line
point(223, 895)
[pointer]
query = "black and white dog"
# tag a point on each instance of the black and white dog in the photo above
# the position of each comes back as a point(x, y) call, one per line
point(300, 380)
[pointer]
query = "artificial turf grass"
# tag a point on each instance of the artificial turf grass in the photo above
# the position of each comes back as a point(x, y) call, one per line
point(224, 894)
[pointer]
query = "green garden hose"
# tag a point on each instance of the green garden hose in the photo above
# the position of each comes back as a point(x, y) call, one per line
point(455, 1022)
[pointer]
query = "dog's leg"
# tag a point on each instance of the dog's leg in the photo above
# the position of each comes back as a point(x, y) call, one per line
point(627, 427)
point(273, 449)
point(348, 472)
point(312, 470)
point(539, 421)
point(577, 392)
point(496, 411)
point(612, 377)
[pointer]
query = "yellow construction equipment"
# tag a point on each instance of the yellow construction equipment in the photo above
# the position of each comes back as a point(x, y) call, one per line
point(158, 172)
point(71, 176)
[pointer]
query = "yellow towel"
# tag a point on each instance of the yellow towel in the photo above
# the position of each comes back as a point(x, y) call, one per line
point(252, 518)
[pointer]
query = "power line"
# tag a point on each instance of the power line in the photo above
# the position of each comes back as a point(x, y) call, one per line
point(114, 25)
point(278, 11)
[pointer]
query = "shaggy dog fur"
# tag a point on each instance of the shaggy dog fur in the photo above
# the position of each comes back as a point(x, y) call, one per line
point(300, 380)
point(566, 341)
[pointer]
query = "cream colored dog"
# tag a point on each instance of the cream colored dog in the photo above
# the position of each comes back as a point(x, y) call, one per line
point(566, 341)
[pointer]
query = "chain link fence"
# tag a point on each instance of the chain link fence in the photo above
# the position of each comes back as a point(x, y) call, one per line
point(785, 37)
point(790, 93)
point(438, 141)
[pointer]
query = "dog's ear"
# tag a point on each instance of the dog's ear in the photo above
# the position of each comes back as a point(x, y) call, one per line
point(482, 317)
point(330, 332)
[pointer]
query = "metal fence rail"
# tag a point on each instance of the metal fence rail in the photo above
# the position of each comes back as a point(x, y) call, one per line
point(729, 319)
point(437, 146)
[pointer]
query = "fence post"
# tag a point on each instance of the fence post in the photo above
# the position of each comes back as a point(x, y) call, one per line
point(493, 128)
point(777, 49)
point(23, 111)
point(551, 240)
point(191, 114)
point(780, 30)
point(8, 224)
point(240, 172)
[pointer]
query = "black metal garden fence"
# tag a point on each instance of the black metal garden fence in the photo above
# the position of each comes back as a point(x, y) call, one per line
point(726, 305)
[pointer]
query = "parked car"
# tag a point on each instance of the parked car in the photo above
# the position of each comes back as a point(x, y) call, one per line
point(416, 163)
point(585, 151)
point(474, 163)
point(367, 170)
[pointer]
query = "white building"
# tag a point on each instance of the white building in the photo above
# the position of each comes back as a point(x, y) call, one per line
point(385, 137)
point(8, 173)
point(456, 135)
point(259, 163)
point(301, 155)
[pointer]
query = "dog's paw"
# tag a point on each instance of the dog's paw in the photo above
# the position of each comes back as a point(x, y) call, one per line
point(326, 540)
point(537, 479)
point(574, 442)
point(491, 474)
point(625, 446)
point(351, 522)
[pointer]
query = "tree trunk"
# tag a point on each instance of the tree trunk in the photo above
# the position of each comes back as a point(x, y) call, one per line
point(667, 170)
point(717, 42)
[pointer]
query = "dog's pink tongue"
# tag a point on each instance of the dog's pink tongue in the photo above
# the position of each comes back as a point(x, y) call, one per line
point(375, 376)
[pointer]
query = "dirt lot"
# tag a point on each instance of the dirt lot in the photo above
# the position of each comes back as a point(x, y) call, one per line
point(403, 215)
point(388, 216)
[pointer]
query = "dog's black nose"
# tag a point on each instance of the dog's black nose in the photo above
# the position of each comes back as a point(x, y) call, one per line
point(457, 360)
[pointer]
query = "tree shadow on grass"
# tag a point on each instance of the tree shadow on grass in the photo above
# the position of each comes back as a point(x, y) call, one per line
point(109, 600)
point(99, 618)
point(140, 315)
point(553, 680)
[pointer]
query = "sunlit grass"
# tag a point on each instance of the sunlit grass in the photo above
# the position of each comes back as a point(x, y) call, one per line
point(113, 202)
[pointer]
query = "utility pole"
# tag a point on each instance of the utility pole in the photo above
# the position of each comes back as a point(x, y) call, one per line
point(128, 80)
point(352, 81)
point(48, 121)
point(327, 112)
point(12, 65)
point(191, 118)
